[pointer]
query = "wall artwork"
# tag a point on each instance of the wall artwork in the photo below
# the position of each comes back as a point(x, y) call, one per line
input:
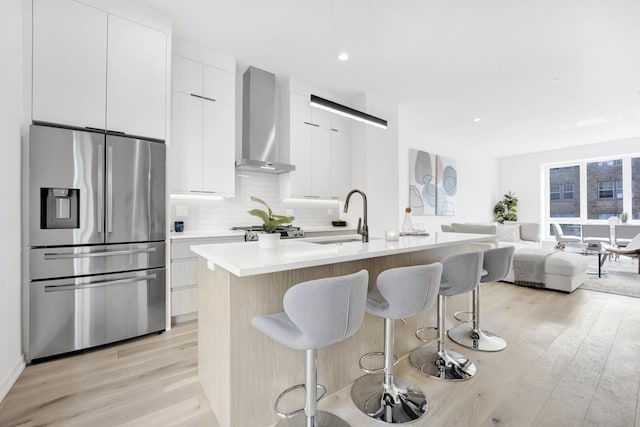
point(433, 184)
point(422, 182)
point(446, 186)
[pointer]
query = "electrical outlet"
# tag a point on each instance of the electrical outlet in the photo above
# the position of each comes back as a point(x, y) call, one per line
point(289, 212)
point(329, 211)
point(182, 210)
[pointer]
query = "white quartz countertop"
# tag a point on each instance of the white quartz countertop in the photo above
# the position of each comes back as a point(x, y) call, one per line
point(247, 259)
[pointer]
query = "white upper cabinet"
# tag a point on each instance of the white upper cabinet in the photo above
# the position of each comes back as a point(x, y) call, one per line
point(219, 85)
point(95, 69)
point(203, 127)
point(136, 79)
point(186, 143)
point(69, 63)
point(319, 147)
point(186, 75)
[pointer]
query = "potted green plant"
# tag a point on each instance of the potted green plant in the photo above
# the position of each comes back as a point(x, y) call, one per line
point(624, 217)
point(269, 239)
point(505, 209)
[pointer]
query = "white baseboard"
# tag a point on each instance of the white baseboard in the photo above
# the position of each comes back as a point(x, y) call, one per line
point(11, 379)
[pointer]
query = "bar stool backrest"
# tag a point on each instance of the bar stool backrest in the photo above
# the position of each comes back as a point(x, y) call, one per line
point(461, 273)
point(409, 290)
point(328, 310)
point(497, 262)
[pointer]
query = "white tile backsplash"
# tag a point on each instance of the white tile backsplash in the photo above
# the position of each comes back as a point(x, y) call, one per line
point(206, 214)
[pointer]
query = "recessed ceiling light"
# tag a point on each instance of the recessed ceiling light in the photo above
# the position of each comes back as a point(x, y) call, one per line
point(343, 56)
point(477, 119)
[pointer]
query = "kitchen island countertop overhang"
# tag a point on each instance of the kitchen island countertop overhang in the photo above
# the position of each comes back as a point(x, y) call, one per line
point(247, 259)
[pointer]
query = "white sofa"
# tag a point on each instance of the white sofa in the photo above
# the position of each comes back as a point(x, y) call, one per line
point(563, 271)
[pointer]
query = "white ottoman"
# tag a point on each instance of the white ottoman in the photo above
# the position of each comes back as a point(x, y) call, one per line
point(563, 271)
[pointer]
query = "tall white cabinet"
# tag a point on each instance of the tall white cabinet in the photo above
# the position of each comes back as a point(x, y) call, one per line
point(318, 145)
point(202, 122)
point(98, 70)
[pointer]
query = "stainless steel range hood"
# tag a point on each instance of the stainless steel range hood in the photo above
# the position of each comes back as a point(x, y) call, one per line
point(259, 123)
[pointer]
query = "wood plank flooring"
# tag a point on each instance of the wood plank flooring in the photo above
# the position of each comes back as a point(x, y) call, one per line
point(572, 360)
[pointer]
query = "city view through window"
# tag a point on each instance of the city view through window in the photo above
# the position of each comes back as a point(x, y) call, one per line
point(603, 190)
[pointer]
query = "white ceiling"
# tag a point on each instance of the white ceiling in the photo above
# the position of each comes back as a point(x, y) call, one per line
point(540, 75)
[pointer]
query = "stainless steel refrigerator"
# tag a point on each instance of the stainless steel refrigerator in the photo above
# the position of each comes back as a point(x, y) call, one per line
point(97, 228)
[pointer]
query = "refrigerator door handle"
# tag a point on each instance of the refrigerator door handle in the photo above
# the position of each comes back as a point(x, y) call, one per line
point(74, 287)
point(49, 256)
point(109, 188)
point(100, 208)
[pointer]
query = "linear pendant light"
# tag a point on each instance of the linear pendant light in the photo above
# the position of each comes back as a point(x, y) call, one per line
point(343, 110)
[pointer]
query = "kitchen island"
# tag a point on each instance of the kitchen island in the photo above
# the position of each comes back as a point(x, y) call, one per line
point(241, 370)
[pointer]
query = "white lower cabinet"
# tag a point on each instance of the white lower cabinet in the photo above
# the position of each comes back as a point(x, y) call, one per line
point(184, 275)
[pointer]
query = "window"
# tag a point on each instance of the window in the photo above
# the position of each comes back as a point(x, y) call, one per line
point(604, 189)
point(564, 193)
point(596, 190)
point(609, 189)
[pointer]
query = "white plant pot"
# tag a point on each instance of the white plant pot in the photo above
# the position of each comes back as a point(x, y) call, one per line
point(268, 240)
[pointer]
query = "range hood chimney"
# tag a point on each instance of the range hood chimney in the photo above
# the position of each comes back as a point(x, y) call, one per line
point(259, 123)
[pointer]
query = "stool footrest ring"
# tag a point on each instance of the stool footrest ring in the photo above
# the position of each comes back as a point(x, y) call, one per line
point(463, 316)
point(281, 414)
point(375, 353)
point(426, 328)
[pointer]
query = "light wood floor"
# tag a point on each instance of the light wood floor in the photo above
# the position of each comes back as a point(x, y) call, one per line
point(572, 360)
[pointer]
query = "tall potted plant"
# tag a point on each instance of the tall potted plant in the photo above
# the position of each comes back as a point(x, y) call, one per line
point(269, 239)
point(505, 209)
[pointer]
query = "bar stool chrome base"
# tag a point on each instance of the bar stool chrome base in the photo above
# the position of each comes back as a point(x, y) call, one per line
point(322, 419)
point(403, 402)
point(481, 340)
point(447, 365)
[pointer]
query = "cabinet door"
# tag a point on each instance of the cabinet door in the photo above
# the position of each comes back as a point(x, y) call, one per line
point(218, 148)
point(321, 118)
point(219, 85)
point(69, 63)
point(300, 152)
point(136, 79)
point(186, 143)
point(300, 108)
point(340, 165)
point(186, 75)
point(321, 162)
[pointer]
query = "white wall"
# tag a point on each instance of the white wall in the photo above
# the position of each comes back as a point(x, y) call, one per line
point(477, 173)
point(11, 104)
point(523, 174)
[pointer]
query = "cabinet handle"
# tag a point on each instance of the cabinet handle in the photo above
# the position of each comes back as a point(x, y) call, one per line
point(116, 132)
point(312, 197)
point(203, 191)
point(94, 129)
point(202, 97)
point(311, 124)
point(335, 130)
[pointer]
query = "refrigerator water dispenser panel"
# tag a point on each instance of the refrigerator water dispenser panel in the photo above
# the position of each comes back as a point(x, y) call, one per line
point(59, 208)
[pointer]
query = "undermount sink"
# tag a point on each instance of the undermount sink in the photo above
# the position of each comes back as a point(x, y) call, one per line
point(337, 240)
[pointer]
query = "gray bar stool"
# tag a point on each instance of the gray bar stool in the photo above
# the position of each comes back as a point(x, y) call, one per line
point(402, 292)
point(316, 314)
point(496, 266)
point(460, 274)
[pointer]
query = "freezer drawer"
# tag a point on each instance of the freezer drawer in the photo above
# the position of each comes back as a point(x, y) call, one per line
point(78, 313)
point(48, 263)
